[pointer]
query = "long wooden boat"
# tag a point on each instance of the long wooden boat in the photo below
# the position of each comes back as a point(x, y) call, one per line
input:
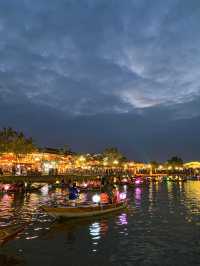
point(83, 211)
point(9, 232)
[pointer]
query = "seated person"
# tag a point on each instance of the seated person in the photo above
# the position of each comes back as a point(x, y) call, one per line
point(73, 192)
point(116, 195)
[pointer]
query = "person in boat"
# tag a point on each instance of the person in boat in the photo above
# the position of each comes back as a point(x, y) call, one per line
point(104, 198)
point(63, 184)
point(116, 197)
point(109, 190)
point(73, 192)
point(103, 179)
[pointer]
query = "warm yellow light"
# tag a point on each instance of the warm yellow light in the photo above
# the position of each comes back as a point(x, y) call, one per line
point(192, 165)
point(82, 158)
point(115, 162)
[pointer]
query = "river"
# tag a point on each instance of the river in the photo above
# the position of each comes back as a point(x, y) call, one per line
point(160, 227)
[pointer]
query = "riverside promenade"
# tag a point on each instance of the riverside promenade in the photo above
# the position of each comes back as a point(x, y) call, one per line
point(74, 177)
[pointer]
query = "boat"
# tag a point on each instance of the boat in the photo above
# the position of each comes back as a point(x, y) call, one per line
point(10, 231)
point(84, 210)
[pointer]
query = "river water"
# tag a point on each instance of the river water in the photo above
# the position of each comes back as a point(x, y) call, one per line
point(160, 227)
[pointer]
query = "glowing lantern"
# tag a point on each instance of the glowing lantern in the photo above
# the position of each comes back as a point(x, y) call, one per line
point(45, 190)
point(6, 187)
point(137, 181)
point(84, 184)
point(96, 198)
point(122, 196)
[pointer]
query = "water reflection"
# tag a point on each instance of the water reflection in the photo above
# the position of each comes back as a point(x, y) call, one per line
point(97, 230)
point(162, 218)
point(192, 193)
point(45, 190)
point(155, 204)
point(123, 219)
point(138, 192)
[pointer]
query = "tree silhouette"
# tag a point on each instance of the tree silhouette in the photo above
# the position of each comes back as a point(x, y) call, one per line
point(175, 161)
point(16, 142)
point(113, 154)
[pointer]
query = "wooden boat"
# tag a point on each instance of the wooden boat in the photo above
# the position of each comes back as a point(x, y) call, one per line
point(8, 232)
point(84, 210)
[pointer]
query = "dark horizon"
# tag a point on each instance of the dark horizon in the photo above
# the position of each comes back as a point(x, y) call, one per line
point(96, 74)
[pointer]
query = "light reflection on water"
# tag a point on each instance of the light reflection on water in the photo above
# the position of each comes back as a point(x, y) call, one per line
point(138, 195)
point(123, 219)
point(161, 226)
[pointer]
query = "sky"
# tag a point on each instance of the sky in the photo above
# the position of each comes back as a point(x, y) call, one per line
point(101, 73)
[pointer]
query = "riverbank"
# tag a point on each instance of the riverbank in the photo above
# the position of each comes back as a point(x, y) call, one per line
point(46, 178)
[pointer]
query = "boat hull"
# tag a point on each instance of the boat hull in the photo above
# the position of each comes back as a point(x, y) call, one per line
point(88, 211)
point(10, 232)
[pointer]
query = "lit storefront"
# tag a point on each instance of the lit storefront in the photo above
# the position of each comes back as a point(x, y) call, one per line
point(41, 163)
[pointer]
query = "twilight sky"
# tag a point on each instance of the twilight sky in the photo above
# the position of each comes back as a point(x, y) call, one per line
point(97, 73)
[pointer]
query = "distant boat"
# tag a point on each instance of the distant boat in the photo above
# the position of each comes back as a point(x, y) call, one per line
point(10, 231)
point(84, 211)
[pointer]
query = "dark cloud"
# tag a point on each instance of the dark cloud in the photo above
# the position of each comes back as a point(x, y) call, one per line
point(74, 59)
point(152, 136)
